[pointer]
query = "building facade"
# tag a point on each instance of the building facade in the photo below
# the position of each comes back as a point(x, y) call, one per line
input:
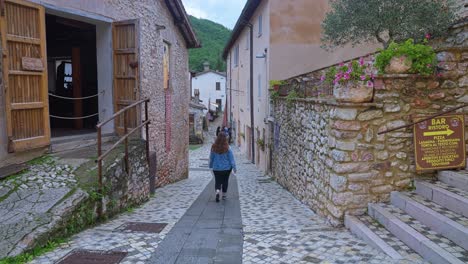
point(284, 42)
point(211, 86)
point(115, 53)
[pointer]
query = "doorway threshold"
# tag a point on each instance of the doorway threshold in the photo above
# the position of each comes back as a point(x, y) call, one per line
point(73, 142)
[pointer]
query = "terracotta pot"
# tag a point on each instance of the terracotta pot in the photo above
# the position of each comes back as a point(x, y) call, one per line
point(276, 87)
point(399, 65)
point(353, 92)
point(283, 90)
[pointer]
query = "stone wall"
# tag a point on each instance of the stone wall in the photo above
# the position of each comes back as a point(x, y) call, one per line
point(124, 189)
point(329, 155)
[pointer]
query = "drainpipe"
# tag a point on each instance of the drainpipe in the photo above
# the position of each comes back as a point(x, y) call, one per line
point(252, 123)
point(230, 93)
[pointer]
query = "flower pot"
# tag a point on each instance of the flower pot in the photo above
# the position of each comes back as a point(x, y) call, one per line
point(399, 65)
point(353, 92)
point(283, 90)
point(276, 87)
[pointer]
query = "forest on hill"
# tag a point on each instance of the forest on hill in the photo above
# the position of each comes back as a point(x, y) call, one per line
point(213, 37)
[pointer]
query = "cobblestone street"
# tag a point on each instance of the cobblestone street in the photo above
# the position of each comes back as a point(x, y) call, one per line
point(276, 227)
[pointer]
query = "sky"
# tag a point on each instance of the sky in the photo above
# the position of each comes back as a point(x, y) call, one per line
point(224, 12)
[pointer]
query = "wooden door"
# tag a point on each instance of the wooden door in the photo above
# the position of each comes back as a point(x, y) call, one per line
point(25, 75)
point(126, 61)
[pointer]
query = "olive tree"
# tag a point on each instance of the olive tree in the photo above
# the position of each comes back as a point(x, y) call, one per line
point(359, 21)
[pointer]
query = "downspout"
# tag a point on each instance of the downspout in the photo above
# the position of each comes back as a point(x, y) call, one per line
point(252, 131)
point(252, 136)
point(230, 93)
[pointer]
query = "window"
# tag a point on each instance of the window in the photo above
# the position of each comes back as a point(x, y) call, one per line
point(260, 25)
point(236, 55)
point(166, 65)
point(259, 86)
point(218, 86)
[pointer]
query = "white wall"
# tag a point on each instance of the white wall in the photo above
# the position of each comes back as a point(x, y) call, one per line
point(206, 84)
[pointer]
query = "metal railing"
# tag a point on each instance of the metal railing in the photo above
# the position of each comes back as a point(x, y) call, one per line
point(424, 119)
point(124, 137)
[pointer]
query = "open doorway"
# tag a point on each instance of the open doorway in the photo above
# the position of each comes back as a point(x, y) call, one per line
point(72, 74)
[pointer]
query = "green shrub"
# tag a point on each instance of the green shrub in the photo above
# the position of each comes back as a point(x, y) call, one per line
point(422, 56)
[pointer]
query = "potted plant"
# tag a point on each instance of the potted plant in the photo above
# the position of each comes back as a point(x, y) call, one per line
point(261, 144)
point(407, 57)
point(275, 84)
point(352, 82)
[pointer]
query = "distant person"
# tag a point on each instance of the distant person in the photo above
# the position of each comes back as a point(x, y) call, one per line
point(230, 134)
point(217, 131)
point(222, 162)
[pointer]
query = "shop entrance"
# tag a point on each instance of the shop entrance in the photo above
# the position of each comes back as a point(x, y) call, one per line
point(72, 76)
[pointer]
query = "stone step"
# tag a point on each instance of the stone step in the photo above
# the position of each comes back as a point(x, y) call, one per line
point(78, 143)
point(449, 197)
point(432, 246)
point(458, 179)
point(375, 235)
point(439, 219)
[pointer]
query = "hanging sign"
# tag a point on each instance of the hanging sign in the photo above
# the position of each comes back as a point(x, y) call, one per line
point(440, 143)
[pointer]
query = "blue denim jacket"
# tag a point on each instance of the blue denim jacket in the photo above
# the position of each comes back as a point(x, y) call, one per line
point(222, 162)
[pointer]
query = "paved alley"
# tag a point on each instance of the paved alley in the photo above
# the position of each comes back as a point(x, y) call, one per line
point(259, 223)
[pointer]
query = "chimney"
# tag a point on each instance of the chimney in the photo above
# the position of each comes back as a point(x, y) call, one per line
point(197, 96)
point(206, 66)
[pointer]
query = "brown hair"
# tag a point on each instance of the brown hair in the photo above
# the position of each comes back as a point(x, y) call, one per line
point(221, 144)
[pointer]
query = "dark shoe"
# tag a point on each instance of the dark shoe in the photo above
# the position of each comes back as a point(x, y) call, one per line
point(217, 197)
point(224, 197)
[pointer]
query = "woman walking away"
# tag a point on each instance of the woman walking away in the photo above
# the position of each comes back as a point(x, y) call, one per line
point(222, 162)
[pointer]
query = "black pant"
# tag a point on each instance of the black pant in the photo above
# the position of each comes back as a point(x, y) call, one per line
point(222, 178)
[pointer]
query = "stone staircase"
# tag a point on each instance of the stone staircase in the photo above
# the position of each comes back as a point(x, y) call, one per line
point(431, 221)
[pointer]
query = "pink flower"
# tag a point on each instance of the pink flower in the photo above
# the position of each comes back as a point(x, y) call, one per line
point(322, 78)
point(363, 77)
point(428, 36)
point(372, 76)
point(346, 76)
point(370, 84)
point(439, 74)
point(341, 64)
point(361, 61)
point(350, 70)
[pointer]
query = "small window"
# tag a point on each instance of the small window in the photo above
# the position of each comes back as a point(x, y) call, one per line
point(260, 25)
point(218, 86)
point(259, 86)
point(236, 55)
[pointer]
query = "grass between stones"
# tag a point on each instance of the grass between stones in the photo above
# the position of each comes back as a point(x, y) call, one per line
point(26, 257)
point(194, 147)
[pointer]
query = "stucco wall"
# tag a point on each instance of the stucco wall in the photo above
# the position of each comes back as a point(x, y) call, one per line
point(241, 86)
point(206, 84)
point(173, 163)
point(295, 39)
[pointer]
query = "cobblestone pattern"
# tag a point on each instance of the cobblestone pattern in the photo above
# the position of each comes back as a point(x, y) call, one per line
point(26, 201)
point(440, 209)
point(435, 237)
point(167, 206)
point(329, 154)
point(280, 229)
point(390, 239)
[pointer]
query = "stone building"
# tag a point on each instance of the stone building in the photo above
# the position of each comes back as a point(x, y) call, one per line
point(285, 38)
point(110, 52)
point(197, 119)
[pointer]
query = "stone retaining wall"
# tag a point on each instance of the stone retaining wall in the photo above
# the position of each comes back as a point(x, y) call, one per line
point(328, 154)
point(124, 189)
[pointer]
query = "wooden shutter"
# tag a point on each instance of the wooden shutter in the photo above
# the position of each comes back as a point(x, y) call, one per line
point(126, 62)
point(25, 75)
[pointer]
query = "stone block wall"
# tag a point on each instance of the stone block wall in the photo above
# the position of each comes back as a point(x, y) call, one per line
point(122, 189)
point(329, 154)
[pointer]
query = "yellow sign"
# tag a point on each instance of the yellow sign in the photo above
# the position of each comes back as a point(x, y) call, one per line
point(440, 143)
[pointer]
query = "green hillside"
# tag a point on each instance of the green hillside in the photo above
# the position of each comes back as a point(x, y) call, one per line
point(213, 37)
